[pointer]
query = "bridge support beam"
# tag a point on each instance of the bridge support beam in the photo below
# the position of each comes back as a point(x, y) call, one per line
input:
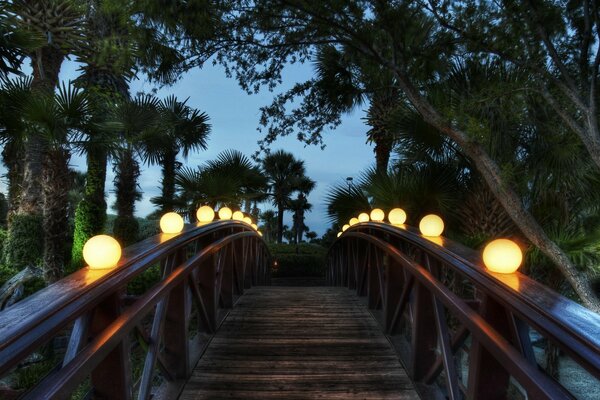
point(111, 379)
point(424, 333)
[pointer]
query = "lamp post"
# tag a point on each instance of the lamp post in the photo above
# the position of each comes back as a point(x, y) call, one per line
point(349, 182)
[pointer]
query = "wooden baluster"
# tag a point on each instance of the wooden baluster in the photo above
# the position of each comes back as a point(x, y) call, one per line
point(362, 254)
point(176, 350)
point(207, 275)
point(393, 292)
point(487, 377)
point(373, 288)
point(424, 334)
point(111, 379)
point(226, 276)
point(349, 264)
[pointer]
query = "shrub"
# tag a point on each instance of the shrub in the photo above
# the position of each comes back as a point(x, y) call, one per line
point(24, 244)
point(302, 260)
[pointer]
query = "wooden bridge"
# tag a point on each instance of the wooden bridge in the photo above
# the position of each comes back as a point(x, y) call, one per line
point(403, 317)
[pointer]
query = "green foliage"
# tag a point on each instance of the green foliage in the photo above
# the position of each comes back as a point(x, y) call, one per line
point(145, 281)
point(89, 221)
point(147, 228)
point(24, 244)
point(303, 259)
point(126, 230)
point(6, 273)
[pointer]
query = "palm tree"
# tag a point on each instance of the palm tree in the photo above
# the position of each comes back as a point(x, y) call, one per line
point(134, 119)
point(184, 130)
point(299, 206)
point(269, 225)
point(231, 179)
point(346, 81)
point(285, 174)
point(59, 22)
point(59, 118)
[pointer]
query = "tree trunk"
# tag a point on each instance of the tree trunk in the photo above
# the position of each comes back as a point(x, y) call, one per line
point(13, 161)
point(509, 199)
point(127, 171)
point(90, 217)
point(56, 185)
point(25, 239)
point(45, 64)
point(383, 148)
point(168, 182)
point(280, 210)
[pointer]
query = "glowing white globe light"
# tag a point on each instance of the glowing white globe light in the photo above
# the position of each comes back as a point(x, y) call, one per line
point(225, 213)
point(238, 216)
point(431, 225)
point(101, 252)
point(502, 255)
point(377, 215)
point(171, 222)
point(397, 216)
point(205, 214)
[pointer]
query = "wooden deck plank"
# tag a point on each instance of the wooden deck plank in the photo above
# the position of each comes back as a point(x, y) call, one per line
point(299, 343)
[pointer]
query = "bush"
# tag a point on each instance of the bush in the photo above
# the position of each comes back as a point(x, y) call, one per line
point(303, 260)
point(24, 244)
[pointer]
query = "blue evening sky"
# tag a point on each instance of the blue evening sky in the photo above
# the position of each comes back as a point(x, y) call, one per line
point(234, 117)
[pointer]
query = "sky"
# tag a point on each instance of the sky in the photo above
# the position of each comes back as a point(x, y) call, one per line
point(234, 118)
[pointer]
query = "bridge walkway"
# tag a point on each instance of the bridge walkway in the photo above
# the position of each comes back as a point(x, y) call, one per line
point(299, 343)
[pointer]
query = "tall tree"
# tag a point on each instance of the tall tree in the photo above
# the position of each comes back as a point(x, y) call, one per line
point(184, 129)
point(58, 21)
point(408, 41)
point(229, 180)
point(134, 119)
point(286, 174)
point(107, 61)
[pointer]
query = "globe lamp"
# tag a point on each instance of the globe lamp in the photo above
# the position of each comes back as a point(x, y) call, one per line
point(346, 226)
point(431, 225)
point(397, 216)
point(377, 215)
point(225, 213)
point(171, 222)
point(502, 255)
point(353, 221)
point(363, 217)
point(205, 214)
point(238, 216)
point(101, 252)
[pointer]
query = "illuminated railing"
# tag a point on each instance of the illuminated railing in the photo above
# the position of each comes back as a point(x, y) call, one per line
point(120, 346)
point(460, 329)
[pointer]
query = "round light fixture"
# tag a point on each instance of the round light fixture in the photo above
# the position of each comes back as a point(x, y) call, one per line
point(101, 252)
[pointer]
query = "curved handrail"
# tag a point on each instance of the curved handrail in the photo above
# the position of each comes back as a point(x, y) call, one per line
point(32, 322)
point(572, 327)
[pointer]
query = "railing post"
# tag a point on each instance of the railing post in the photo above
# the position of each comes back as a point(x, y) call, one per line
point(361, 261)
point(176, 350)
point(208, 291)
point(373, 282)
point(424, 334)
point(111, 379)
point(394, 287)
point(488, 379)
point(226, 271)
point(349, 265)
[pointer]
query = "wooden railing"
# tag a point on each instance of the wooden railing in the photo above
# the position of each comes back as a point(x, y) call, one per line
point(122, 346)
point(462, 331)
